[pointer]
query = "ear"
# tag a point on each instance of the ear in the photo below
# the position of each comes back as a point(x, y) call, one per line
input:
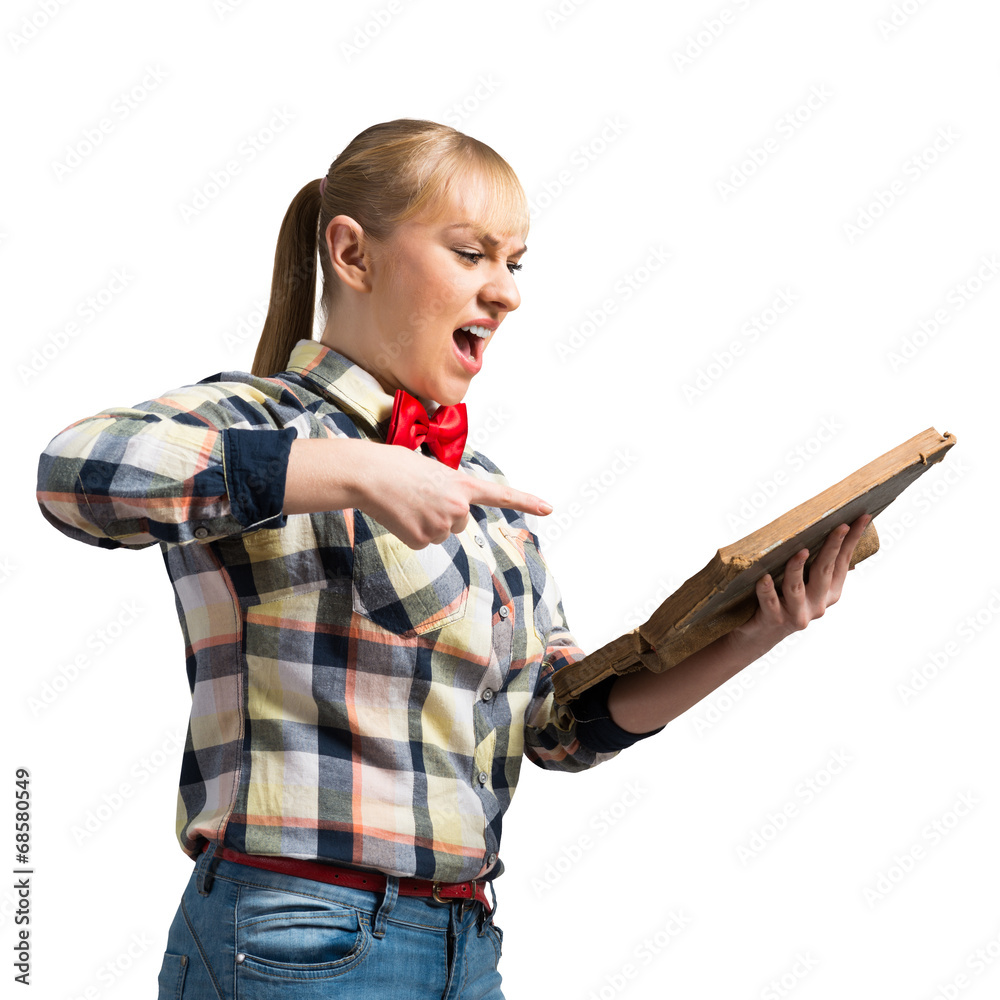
point(345, 244)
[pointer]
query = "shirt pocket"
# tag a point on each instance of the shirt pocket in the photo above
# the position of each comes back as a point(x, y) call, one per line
point(274, 563)
point(407, 591)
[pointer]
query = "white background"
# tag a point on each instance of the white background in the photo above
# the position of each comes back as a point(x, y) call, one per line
point(621, 149)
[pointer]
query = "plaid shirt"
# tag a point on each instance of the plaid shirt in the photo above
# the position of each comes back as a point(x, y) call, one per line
point(353, 700)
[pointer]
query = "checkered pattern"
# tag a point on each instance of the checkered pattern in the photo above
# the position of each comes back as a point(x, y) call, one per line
point(353, 700)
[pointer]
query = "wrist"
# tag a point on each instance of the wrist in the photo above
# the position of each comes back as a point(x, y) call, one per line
point(750, 641)
point(358, 469)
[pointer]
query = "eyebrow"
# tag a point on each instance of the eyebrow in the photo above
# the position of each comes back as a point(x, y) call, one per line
point(485, 237)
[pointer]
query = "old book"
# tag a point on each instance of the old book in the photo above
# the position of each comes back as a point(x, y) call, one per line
point(722, 595)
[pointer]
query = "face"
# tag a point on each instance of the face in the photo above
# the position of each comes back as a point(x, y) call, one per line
point(445, 273)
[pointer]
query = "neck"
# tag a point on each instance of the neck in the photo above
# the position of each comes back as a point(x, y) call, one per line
point(346, 335)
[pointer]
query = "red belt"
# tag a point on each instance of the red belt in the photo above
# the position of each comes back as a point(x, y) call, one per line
point(370, 881)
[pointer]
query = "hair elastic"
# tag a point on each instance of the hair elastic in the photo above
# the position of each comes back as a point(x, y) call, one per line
point(322, 187)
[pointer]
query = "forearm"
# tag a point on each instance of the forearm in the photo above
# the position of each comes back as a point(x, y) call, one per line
point(642, 701)
point(326, 474)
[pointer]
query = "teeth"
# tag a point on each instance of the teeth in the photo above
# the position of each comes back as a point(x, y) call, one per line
point(479, 331)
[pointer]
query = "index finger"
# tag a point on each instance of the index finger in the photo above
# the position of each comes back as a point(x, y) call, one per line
point(851, 539)
point(833, 557)
point(843, 539)
point(500, 495)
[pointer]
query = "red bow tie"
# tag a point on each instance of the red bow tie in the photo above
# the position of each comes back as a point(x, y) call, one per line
point(445, 432)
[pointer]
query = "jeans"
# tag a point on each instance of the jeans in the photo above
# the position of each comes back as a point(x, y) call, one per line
point(245, 933)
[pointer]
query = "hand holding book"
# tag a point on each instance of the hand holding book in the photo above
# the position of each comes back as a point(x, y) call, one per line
point(738, 588)
point(802, 600)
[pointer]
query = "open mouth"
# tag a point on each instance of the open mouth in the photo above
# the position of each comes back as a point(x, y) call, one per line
point(469, 345)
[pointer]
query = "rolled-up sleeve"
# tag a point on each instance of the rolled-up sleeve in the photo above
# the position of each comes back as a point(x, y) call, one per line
point(194, 465)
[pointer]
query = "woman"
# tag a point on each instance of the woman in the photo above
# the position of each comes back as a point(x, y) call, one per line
point(371, 632)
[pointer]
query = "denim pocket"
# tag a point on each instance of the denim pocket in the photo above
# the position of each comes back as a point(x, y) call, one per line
point(282, 936)
point(171, 979)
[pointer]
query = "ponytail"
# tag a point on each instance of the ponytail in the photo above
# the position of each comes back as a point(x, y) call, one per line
point(293, 284)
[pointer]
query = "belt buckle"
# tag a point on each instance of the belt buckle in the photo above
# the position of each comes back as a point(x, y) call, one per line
point(466, 903)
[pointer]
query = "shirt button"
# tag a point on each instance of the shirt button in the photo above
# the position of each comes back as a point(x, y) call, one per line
point(201, 531)
point(491, 860)
point(480, 540)
point(488, 694)
point(504, 612)
point(483, 777)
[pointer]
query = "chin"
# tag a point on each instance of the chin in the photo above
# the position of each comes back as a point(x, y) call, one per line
point(448, 399)
point(447, 395)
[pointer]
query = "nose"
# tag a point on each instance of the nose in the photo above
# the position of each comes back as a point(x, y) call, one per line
point(500, 290)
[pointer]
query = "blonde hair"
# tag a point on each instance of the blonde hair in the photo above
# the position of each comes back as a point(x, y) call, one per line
point(388, 173)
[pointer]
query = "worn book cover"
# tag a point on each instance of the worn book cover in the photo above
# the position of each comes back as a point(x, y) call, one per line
point(722, 595)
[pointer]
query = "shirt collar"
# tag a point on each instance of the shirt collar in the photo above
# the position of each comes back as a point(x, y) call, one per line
point(350, 385)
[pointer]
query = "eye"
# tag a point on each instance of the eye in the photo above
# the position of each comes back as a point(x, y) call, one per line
point(474, 258)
